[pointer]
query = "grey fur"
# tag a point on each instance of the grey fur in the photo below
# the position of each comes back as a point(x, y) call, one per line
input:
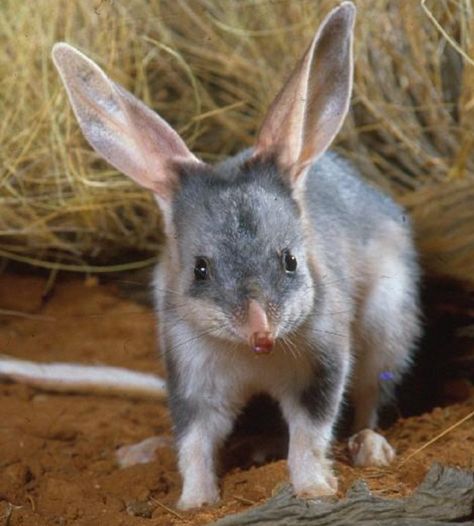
point(240, 223)
point(316, 398)
point(183, 410)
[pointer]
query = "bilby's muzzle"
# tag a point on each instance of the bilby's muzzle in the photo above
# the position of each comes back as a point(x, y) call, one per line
point(258, 329)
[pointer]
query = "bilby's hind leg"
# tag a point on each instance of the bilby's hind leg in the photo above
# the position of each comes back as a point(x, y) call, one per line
point(385, 334)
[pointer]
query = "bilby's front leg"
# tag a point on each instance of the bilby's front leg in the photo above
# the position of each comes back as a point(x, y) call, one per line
point(203, 403)
point(311, 413)
point(203, 408)
point(198, 447)
point(310, 469)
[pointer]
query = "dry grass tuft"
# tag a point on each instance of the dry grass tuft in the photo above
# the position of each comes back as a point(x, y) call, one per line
point(210, 67)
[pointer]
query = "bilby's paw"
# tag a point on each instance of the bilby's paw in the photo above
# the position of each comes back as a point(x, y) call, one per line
point(142, 452)
point(200, 497)
point(368, 448)
point(315, 482)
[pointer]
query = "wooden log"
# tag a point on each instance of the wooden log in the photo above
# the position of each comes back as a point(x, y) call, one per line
point(446, 496)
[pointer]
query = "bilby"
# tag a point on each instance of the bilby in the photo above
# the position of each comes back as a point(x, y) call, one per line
point(283, 272)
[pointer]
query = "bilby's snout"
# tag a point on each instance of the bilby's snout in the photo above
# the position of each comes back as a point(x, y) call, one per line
point(257, 328)
point(261, 342)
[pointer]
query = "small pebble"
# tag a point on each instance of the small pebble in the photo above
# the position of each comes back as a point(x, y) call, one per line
point(138, 508)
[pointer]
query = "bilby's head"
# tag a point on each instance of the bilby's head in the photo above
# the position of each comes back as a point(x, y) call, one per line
point(238, 231)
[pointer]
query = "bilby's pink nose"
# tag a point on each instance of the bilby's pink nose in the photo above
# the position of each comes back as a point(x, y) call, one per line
point(258, 329)
point(261, 342)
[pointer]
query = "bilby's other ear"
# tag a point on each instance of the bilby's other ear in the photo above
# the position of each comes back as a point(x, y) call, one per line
point(309, 110)
point(128, 134)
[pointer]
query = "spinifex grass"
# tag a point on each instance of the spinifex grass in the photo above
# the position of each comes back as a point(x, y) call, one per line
point(210, 67)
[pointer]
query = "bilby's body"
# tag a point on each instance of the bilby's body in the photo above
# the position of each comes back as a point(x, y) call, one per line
point(350, 317)
point(283, 272)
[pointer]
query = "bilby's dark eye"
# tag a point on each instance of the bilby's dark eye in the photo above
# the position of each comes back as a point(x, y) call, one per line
point(201, 269)
point(289, 261)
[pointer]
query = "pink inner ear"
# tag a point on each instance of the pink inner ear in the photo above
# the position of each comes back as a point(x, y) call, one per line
point(281, 132)
point(159, 146)
point(306, 115)
point(123, 130)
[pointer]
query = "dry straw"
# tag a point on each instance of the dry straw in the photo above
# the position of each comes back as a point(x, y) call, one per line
point(210, 67)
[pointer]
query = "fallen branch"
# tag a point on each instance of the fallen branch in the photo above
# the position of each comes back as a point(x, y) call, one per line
point(446, 496)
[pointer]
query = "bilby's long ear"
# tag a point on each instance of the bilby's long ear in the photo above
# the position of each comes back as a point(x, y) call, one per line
point(128, 134)
point(310, 109)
